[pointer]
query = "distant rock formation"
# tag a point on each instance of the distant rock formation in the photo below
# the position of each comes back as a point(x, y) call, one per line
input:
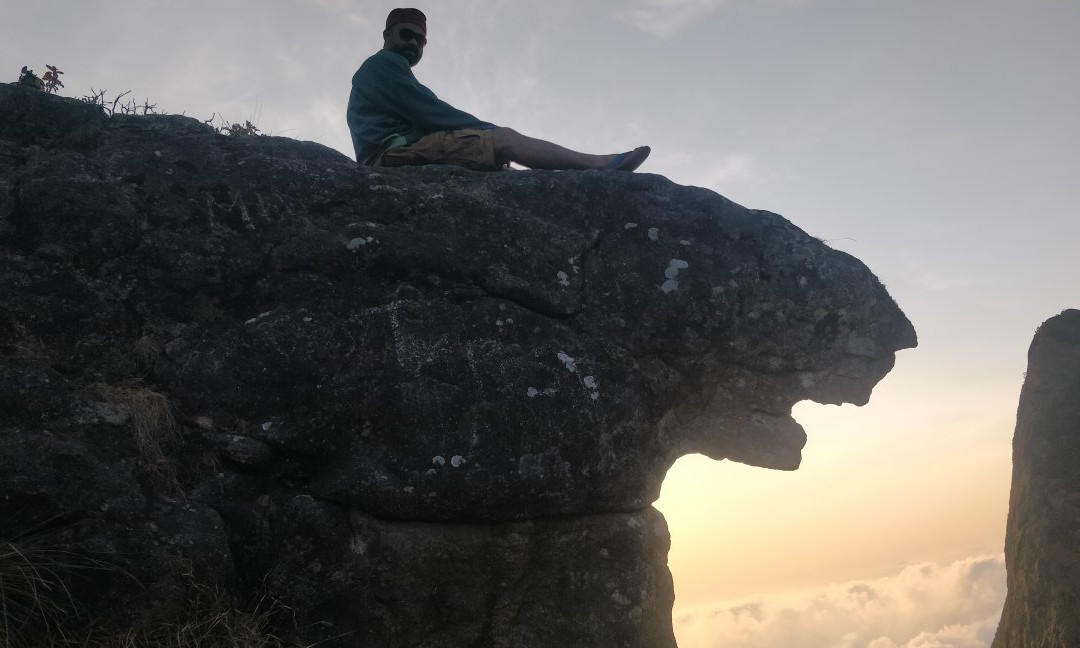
point(416, 407)
point(1042, 539)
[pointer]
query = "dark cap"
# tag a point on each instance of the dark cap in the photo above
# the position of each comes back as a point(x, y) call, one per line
point(414, 16)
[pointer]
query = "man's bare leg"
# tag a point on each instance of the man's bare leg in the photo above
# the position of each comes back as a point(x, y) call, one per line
point(533, 153)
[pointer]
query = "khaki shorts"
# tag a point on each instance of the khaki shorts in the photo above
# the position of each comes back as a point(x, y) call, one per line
point(470, 148)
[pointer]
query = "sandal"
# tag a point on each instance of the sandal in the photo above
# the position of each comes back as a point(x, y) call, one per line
point(630, 160)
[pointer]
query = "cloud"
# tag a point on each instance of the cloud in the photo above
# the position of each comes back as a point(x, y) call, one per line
point(925, 606)
point(732, 169)
point(666, 18)
point(724, 174)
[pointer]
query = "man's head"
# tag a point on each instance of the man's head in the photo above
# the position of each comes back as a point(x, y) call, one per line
point(406, 34)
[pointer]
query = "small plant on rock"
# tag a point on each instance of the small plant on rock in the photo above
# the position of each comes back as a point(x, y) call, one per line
point(28, 78)
point(52, 79)
point(227, 128)
point(49, 82)
point(118, 105)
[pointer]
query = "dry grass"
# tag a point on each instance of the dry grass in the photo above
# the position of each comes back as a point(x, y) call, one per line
point(146, 349)
point(34, 601)
point(154, 425)
point(212, 622)
point(37, 610)
point(36, 607)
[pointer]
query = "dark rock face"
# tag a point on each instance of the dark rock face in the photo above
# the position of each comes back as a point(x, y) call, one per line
point(1042, 540)
point(425, 407)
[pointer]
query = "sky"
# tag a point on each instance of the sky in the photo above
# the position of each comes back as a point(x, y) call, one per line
point(935, 140)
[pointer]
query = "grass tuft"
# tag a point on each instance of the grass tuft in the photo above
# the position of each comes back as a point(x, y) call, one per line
point(146, 351)
point(212, 622)
point(36, 607)
point(37, 610)
point(34, 601)
point(151, 412)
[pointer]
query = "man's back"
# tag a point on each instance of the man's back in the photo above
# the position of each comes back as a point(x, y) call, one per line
point(387, 101)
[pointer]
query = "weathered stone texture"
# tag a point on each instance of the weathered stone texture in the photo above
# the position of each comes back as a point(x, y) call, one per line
point(397, 396)
point(1042, 541)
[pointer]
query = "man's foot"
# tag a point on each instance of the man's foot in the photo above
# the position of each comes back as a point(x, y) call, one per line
point(630, 160)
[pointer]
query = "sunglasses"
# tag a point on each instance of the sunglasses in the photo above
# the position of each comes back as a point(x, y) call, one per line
point(408, 35)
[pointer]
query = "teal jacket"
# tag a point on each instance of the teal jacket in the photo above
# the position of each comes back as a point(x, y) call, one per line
point(389, 107)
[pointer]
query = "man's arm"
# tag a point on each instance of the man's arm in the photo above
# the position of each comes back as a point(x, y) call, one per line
point(394, 86)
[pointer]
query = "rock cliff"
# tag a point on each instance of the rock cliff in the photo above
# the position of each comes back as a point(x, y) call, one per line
point(415, 407)
point(1042, 538)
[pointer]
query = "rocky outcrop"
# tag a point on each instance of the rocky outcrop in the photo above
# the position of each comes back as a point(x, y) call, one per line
point(1042, 539)
point(419, 407)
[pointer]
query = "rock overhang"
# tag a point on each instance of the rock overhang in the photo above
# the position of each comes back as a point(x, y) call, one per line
point(434, 343)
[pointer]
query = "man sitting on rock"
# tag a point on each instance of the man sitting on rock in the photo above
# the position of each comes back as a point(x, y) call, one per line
point(396, 121)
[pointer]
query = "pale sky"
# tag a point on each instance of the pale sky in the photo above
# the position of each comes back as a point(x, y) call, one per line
point(936, 140)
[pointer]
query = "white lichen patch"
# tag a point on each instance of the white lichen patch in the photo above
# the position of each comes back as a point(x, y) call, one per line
point(457, 461)
point(654, 234)
point(629, 226)
point(674, 266)
point(532, 392)
point(568, 362)
point(671, 272)
point(564, 279)
point(620, 599)
point(266, 426)
point(438, 460)
point(257, 317)
point(684, 242)
point(590, 384)
point(359, 242)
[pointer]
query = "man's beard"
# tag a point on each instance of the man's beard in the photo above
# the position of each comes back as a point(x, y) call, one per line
point(411, 54)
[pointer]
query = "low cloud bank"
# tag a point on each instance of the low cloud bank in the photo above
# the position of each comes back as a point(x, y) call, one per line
point(925, 606)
